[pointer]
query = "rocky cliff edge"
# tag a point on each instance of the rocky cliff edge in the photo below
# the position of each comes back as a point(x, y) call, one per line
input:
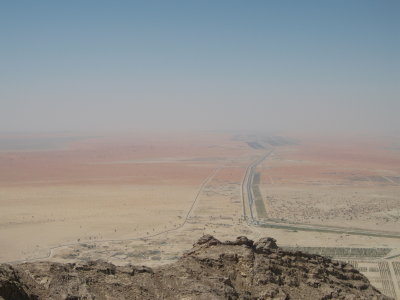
point(240, 269)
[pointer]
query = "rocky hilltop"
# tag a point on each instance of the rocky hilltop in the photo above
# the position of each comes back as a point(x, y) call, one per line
point(240, 269)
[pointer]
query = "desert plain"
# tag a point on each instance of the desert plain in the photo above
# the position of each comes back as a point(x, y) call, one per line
point(144, 198)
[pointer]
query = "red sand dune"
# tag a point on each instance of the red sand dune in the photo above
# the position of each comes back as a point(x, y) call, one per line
point(131, 158)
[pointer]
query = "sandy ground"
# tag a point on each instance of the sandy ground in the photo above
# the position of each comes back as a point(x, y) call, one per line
point(126, 199)
point(348, 206)
point(37, 217)
point(60, 190)
point(354, 184)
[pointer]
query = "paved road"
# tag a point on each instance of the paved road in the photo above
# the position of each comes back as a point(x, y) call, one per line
point(248, 201)
point(247, 183)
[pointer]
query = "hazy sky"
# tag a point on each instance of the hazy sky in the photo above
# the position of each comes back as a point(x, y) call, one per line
point(264, 65)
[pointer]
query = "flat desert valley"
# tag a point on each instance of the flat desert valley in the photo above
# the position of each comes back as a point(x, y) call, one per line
point(145, 198)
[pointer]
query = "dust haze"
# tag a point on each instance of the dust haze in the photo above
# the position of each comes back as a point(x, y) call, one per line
point(264, 67)
point(130, 129)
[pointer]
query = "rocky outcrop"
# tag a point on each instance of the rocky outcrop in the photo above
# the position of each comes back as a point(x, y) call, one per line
point(239, 269)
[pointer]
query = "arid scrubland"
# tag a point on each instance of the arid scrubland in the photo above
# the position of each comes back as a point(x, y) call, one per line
point(145, 199)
